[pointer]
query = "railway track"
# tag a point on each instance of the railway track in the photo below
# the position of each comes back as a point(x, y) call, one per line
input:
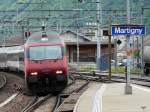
point(40, 103)
point(103, 77)
point(12, 98)
point(66, 102)
point(16, 101)
point(3, 80)
point(67, 99)
point(51, 103)
point(36, 103)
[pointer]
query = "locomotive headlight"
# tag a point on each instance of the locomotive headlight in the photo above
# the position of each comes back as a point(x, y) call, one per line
point(33, 73)
point(59, 72)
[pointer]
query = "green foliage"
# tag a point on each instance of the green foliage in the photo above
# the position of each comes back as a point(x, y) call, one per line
point(84, 16)
point(119, 69)
point(88, 68)
point(136, 54)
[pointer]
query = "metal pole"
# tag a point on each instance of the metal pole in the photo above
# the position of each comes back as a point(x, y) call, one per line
point(128, 12)
point(109, 46)
point(128, 44)
point(137, 51)
point(142, 44)
point(23, 35)
point(115, 42)
point(98, 48)
point(60, 22)
point(116, 60)
point(99, 23)
point(132, 57)
point(78, 68)
point(4, 39)
point(128, 87)
point(28, 29)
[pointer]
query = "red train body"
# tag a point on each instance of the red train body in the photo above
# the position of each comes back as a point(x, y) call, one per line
point(45, 62)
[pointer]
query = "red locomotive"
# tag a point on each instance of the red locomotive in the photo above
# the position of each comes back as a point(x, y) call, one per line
point(45, 62)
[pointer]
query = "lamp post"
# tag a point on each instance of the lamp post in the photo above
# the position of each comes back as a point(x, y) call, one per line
point(77, 32)
point(99, 23)
point(142, 43)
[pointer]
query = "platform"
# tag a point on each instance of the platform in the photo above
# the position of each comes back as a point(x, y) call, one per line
point(112, 98)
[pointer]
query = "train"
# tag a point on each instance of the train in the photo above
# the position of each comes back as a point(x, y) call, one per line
point(146, 58)
point(12, 58)
point(42, 59)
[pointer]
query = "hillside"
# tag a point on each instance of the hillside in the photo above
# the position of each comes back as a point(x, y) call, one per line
point(69, 18)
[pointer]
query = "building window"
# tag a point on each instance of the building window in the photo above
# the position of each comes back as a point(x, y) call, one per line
point(84, 56)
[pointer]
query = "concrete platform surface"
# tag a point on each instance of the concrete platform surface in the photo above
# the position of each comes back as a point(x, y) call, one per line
point(112, 98)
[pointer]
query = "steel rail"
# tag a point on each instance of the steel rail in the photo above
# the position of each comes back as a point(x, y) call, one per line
point(36, 103)
point(3, 80)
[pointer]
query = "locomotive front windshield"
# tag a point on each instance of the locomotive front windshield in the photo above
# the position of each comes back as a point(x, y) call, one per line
point(45, 52)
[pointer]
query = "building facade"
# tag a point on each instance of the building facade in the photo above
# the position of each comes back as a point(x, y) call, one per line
point(87, 47)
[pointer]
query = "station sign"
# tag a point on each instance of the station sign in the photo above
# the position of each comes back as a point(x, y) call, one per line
point(118, 30)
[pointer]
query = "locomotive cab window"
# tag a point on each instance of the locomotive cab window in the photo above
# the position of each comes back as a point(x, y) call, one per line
point(45, 52)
